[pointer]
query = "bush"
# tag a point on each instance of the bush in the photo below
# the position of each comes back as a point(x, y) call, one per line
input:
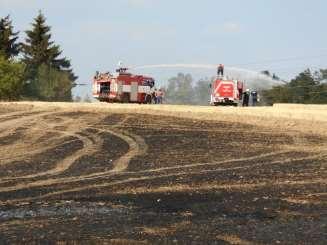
point(51, 84)
point(11, 79)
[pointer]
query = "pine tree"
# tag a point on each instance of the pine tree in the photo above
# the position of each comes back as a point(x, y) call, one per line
point(302, 87)
point(38, 49)
point(40, 53)
point(8, 39)
point(306, 88)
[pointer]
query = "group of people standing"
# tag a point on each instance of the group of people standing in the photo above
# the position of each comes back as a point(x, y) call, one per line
point(250, 98)
point(155, 96)
point(158, 96)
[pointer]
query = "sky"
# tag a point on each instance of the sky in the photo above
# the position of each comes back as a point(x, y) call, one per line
point(284, 36)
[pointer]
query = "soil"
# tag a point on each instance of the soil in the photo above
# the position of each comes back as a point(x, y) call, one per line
point(73, 177)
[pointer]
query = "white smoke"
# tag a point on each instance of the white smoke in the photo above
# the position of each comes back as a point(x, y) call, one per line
point(253, 79)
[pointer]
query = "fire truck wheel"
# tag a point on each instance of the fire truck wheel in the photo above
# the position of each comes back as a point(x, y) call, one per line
point(125, 98)
point(147, 99)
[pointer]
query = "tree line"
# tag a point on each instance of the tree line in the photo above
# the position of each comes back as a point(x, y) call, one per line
point(33, 69)
point(309, 87)
point(306, 88)
point(182, 89)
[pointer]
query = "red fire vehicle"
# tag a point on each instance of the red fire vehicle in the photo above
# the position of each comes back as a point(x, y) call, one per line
point(226, 92)
point(123, 87)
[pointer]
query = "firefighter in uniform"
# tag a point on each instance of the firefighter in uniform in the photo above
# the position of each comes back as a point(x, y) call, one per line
point(220, 70)
point(246, 97)
point(254, 95)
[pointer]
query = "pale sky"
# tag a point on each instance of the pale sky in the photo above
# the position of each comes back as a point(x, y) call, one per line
point(97, 34)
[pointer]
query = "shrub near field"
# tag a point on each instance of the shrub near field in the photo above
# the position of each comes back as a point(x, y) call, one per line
point(11, 79)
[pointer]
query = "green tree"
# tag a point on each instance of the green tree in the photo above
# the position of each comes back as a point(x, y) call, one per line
point(11, 79)
point(301, 87)
point(306, 88)
point(9, 47)
point(52, 85)
point(277, 94)
point(323, 73)
point(39, 50)
point(202, 92)
point(180, 90)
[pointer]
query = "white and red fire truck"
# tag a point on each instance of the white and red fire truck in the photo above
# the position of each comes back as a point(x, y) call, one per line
point(226, 92)
point(123, 87)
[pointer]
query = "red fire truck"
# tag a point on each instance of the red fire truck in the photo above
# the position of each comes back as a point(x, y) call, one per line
point(226, 92)
point(123, 87)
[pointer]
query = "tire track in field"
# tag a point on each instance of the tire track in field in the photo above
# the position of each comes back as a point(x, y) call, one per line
point(8, 160)
point(163, 176)
point(121, 164)
point(232, 239)
point(17, 122)
point(11, 127)
point(16, 113)
point(63, 165)
point(136, 148)
point(89, 147)
point(136, 144)
point(67, 162)
point(19, 150)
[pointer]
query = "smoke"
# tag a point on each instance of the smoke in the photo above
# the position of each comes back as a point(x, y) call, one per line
point(253, 79)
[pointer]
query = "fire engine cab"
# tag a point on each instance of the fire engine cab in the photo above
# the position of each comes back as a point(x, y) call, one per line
point(122, 87)
point(226, 92)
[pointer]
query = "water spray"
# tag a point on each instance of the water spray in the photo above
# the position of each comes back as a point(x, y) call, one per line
point(234, 71)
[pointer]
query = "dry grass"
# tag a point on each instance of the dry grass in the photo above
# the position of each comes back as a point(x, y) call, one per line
point(124, 242)
point(164, 231)
point(286, 117)
point(201, 182)
point(234, 240)
point(182, 188)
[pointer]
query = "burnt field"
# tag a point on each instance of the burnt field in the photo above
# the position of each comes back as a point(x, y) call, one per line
point(70, 176)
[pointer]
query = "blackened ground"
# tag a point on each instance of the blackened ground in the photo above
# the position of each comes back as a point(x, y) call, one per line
point(199, 182)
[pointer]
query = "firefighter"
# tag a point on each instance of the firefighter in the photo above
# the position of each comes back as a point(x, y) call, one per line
point(154, 96)
point(148, 97)
point(160, 95)
point(220, 70)
point(246, 98)
point(96, 76)
point(254, 96)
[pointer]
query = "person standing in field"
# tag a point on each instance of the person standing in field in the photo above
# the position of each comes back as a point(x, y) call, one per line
point(154, 96)
point(160, 96)
point(148, 97)
point(246, 98)
point(254, 96)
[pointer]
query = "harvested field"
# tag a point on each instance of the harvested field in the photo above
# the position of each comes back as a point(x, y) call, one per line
point(140, 174)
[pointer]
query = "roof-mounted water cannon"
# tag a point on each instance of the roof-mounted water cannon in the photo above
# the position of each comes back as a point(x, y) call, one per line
point(121, 68)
